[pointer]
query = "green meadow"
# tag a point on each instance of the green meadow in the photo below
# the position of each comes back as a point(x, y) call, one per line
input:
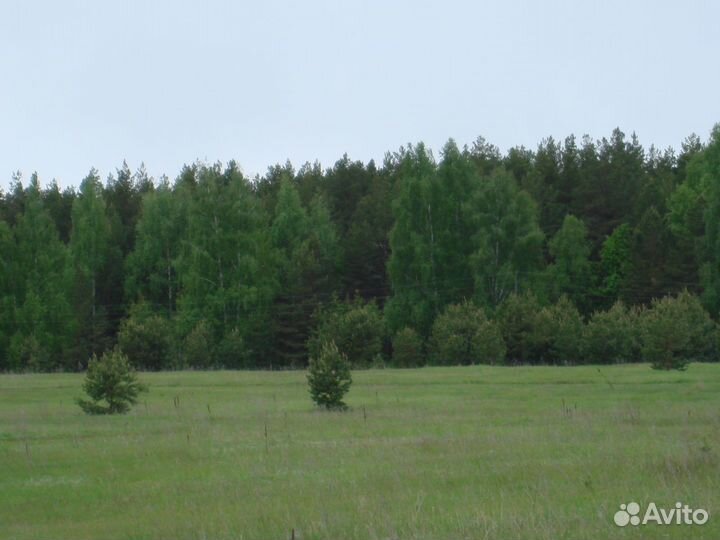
point(435, 453)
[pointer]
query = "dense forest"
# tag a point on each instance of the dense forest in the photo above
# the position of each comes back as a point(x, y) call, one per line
point(215, 269)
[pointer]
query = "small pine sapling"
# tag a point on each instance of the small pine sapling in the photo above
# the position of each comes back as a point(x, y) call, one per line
point(329, 377)
point(111, 383)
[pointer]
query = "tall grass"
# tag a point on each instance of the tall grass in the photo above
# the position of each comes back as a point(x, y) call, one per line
point(433, 453)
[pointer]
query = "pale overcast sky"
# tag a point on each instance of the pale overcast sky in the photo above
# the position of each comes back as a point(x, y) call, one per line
point(90, 83)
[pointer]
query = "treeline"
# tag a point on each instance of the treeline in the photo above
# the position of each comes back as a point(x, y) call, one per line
point(218, 270)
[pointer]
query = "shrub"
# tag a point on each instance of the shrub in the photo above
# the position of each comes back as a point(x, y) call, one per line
point(146, 340)
point(612, 336)
point(26, 352)
point(111, 383)
point(232, 351)
point(356, 328)
point(329, 377)
point(517, 318)
point(464, 335)
point(559, 333)
point(676, 331)
point(407, 348)
point(199, 346)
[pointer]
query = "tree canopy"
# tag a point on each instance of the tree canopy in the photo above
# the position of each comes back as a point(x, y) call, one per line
point(545, 246)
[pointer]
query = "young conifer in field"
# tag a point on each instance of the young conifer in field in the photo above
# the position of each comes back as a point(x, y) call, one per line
point(329, 377)
point(111, 383)
point(677, 330)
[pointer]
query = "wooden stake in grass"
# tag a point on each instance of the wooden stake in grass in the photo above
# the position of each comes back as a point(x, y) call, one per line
point(567, 411)
point(267, 448)
point(364, 414)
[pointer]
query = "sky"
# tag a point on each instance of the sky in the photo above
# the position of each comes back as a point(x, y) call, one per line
point(167, 82)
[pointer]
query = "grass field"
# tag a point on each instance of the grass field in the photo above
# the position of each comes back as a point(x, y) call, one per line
point(434, 453)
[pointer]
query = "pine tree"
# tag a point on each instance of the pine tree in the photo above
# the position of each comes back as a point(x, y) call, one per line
point(151, 267)
point(308, 250)
point(707, 167)
point(91, 249)
point(570, 273)
point(329, 377)
point(647, 279)
point(8, 280)
point(43, 321)
point(59, 206)
point(615, 264)
point(111, 384)
point(367, 247)
point(543, 184)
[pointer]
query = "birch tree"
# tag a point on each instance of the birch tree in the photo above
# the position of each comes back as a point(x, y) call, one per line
point(507, 241)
